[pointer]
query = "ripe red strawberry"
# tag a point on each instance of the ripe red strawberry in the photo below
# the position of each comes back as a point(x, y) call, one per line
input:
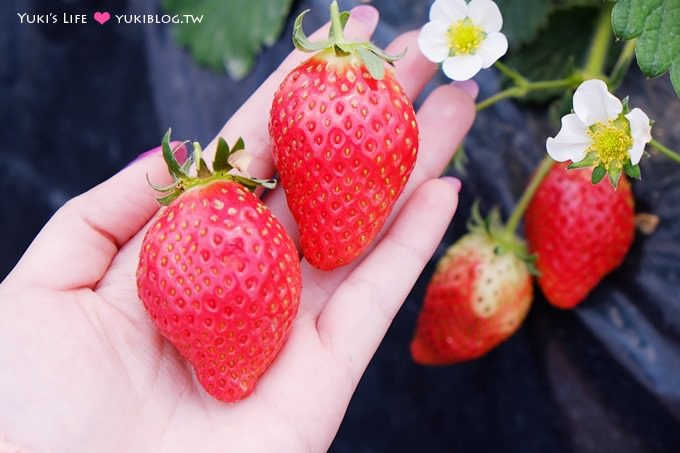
point(479, 295)
point(345, 142)
point(579, 231)
point(219, 276)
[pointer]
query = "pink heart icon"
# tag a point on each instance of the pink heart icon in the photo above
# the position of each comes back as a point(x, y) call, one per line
point(102, 18)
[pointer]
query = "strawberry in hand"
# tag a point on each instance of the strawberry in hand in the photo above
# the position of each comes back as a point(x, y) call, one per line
point(219, 275)
point(345, 142)
point(479, 295)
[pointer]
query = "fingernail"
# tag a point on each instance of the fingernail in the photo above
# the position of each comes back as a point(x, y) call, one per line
point(455, 182)
point(365, 13)
point(469, 86)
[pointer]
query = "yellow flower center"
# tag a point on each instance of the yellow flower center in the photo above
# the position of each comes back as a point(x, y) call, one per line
point(611, 141)
point(464, 37)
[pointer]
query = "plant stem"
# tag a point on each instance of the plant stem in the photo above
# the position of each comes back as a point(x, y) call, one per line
point(512, 92)
point(513, 75)
point(540, 174)
point(526, 87)
point(597, 55)
point(336, 24)
point(665, 150)
point(622, 64)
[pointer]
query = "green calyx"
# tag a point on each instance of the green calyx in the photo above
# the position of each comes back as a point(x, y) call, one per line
point(504, 241)
point(183, 181)
point(372, 56)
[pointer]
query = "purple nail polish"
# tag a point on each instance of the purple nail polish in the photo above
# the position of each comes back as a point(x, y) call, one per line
point(469, 86)
point(455, 182)
point(364, 13)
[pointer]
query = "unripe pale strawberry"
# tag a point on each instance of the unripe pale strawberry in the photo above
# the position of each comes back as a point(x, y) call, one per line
point(479, 295)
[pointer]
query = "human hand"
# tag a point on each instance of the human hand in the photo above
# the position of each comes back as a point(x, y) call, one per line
point(84, 368)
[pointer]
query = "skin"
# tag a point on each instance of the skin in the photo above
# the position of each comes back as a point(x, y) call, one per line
point(85, 370)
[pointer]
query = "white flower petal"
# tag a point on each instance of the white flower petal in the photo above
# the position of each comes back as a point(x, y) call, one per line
point(594, 103)
point(433, 42)
point(571, 141)
point(485, 14)
point(492, 48)
point(241, 160)
point(641, 133)
point(448, 11)
point(462, 67)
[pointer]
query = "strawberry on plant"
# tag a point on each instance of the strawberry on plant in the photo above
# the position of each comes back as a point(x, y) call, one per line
point(345, 142)
point(479, 295)
point(218, 274)
point(579, 231)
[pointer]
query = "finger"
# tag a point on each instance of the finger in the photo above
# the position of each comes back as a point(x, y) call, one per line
point(76, 246)
point(414, 70)
point(251, 121)
point(444, 118)
point(361, 309)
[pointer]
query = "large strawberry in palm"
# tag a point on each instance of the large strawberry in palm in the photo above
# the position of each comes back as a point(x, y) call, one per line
point(218, 274)
point(580, 232)
point(345, 141)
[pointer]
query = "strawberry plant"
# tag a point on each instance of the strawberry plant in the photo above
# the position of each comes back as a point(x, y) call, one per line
point(579, 216)
point(218, 273)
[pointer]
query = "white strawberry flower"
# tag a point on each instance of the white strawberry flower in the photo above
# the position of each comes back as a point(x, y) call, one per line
point(464, 37)
point(601, 132)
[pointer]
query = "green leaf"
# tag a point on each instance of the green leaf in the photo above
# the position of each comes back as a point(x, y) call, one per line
point(598, 174)
point(231, 32)
point(523, 20)
point(656, 24)
point(675, 76)
point(628, 17)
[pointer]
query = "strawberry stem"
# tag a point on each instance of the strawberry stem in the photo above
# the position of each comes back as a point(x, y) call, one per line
point(540, 174)
point(665, 150)
point(622, 64)
point(336, 24)
point(597, 55)
point(372, 56)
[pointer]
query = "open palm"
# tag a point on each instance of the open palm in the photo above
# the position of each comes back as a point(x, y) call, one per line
point(84, 369)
